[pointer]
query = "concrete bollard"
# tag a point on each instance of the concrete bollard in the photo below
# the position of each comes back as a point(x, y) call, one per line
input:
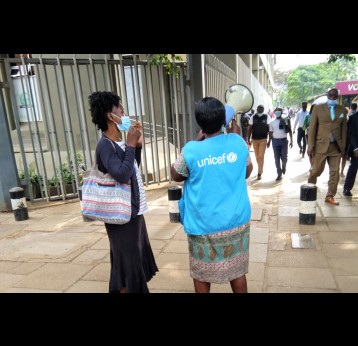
point(84, 218)
point(18, 203)
point(174, 194)
point(308, 198)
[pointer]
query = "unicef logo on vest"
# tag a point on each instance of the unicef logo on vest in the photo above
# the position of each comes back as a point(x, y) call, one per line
point(232, 157)
point(218, 160)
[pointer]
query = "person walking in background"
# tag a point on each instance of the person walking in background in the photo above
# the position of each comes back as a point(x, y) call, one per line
point(300, 118)
point(290, 113)
point(131, 256)
point(326, 141)
point(306, 126)
point(215, 208)
point(344, 157)
point(352, 144)
point(245, 118)
point(259, 129)
point(353, 109)
point(279, 128)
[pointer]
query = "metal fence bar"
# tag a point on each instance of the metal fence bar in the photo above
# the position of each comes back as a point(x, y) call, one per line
point(152, 121)
point(71, 155)
point(50, 127)
point(82, 117)
point(166, 146)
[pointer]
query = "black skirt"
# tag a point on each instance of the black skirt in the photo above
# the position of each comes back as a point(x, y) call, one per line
point(132, 259)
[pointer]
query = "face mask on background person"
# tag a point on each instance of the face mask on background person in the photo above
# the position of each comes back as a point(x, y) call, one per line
point(259, 114)
point(332, 102)
point(278, 114)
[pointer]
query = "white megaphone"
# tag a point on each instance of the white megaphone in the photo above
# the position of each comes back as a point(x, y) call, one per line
point(239, 99)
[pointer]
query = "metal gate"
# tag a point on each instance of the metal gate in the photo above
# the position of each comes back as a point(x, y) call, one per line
point(51, 129)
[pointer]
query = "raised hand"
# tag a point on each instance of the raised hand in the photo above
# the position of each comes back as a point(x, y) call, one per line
point(234, 128)
point(134, 137)
point(139, 127)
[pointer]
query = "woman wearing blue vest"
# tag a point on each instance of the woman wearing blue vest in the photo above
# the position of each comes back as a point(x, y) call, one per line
point(215, 207)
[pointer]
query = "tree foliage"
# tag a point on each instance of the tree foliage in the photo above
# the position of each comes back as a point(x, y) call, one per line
point(307, 81)
point(168, 61)
point(334, 57)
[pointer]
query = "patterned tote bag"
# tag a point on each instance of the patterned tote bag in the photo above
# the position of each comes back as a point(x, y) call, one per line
point(104, 198)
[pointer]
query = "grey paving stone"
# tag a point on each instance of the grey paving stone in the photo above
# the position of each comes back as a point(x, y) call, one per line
point(177, 246)
point(348, 284)
point(8, 280)
point(258, 252)
point(298, 258)
point(89, 287)
point(300, 277)
point(53, 276)
point(100, 272)
point(259, 235)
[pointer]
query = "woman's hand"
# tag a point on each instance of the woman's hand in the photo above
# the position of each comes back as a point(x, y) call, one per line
point(139, 127)
point(234, 128)
point(134, 137)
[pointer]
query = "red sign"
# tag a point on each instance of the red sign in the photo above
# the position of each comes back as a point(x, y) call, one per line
point(347, 88)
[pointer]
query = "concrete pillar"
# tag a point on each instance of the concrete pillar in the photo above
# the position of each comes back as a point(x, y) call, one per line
point(308, 198)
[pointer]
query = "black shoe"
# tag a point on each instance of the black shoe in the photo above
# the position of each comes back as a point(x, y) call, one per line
point(347, 193)
point(284, 170)
point(279, 178)
point(259, 177)
point(300, 151)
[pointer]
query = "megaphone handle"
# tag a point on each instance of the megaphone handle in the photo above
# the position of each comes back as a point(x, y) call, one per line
point(234, 127)
point(229, 114)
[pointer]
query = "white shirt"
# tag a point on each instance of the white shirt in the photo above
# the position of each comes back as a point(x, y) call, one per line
point(300, 118)
point(277, 133)
point(143, 208)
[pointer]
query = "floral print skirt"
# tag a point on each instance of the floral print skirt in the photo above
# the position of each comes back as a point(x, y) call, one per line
point(220, 257)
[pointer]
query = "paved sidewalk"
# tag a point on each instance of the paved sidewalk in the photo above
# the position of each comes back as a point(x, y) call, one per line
point(56, 251)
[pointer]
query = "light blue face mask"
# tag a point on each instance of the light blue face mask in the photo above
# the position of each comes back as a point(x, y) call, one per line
point(278, 114)
point(126, 123)
point(332, 102)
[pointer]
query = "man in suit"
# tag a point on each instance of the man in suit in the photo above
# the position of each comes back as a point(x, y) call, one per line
point(326, 141)
point(352, 143)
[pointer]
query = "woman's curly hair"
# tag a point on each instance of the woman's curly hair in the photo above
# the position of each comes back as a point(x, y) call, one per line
point(102, 102)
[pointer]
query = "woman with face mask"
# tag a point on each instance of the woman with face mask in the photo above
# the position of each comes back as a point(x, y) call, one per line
point(131, 256)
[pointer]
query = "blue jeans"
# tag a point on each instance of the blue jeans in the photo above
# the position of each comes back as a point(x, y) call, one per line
point(280, 147)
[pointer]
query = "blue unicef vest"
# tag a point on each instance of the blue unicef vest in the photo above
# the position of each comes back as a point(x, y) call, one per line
point(215, 196)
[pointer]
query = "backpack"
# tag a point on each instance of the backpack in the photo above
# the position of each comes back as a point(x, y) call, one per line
point(285, 124)
point(244, 120)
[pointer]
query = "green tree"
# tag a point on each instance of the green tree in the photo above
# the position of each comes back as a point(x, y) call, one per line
point(168, 60)
point(348, 57)
point(306, 82)
point(280, 79)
